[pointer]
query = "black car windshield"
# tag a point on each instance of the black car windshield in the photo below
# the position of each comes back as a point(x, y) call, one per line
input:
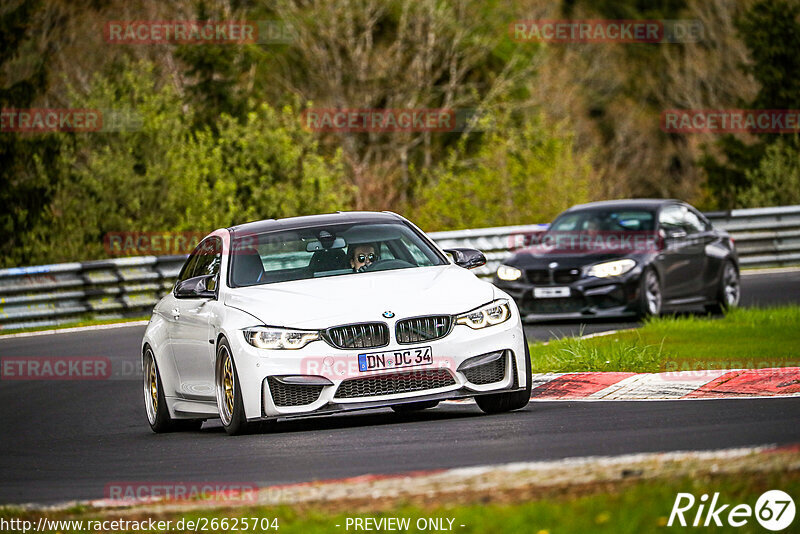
point(605, 220)
point(601, 231)
point(329, 250)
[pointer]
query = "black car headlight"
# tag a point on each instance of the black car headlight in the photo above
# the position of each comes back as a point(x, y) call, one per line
point(508, 273)
point(267, 337)
point(610, 268)
point(490, 314)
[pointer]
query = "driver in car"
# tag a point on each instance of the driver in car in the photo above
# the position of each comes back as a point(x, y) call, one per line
point(361, 257)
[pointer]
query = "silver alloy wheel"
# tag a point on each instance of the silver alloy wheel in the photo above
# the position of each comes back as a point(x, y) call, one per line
point(226, 384)
point(652, 292)
point(730, 284)
point(150, 386)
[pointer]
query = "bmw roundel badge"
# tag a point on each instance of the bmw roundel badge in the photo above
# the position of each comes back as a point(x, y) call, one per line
point(388, 314)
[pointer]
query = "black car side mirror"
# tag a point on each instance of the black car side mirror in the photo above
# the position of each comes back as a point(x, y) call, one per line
point(468, 258)
point(197, 287)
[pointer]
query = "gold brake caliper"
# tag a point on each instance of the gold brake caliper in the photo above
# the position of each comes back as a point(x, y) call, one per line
point(153, 386)
point(227, 382)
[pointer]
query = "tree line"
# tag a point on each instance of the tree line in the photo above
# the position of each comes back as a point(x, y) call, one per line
point(216, 135)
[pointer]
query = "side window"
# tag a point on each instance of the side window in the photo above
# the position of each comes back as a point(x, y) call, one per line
point(188, 267)
point(385, 252)
point(209, 257)
point(692, 223)
point(671, 218)
point(418, 255)
point(204, 260)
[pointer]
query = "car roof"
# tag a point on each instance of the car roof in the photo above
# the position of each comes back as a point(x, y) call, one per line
point(306, 221)
point(631, 203)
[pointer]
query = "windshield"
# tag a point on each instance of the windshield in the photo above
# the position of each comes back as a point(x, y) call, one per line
point(330, 250)
point(600, 231)
point(606, 220)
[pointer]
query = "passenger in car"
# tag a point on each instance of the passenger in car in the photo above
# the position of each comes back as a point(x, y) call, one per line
point(362, 256)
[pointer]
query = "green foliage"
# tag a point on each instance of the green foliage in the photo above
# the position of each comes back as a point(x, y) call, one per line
point(24, 193)
point(216, 73)
point(771, 31)
point(518, 174)
point(746, 338)
point(776, 180)
point(160, 175)
point(266, 167)
point(207, 152)
point(575, 355)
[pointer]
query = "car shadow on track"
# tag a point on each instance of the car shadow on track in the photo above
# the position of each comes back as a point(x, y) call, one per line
point(368, 418)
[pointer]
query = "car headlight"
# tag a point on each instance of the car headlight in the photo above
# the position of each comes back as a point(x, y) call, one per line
point(487, 315)
point(611, 268)
point(266, 337)
point(508, 273)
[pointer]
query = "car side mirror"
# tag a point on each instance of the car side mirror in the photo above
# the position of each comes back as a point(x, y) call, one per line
point(197, 287)
point(468, 258)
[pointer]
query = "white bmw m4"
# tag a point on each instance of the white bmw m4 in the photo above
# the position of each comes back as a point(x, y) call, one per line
point(321, 314)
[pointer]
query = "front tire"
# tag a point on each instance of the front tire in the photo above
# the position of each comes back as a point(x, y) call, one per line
point(728, 290)
point(505, 402)
point(229, 394)
point(155, 403)
point(651, 297)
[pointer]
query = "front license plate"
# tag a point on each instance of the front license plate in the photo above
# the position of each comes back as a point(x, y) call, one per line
point(393, 359)
point(550, 292)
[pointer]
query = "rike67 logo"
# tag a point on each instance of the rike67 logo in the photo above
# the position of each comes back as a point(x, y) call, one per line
point(774, 510)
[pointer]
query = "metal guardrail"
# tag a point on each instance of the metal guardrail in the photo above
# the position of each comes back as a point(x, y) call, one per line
point(47, 295)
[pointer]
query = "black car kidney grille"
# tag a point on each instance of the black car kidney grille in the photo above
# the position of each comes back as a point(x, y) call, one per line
point(359, 336)
point(422, 328)
point(560, 276)
point(292, 394)
point(390, 384)
point(566, 276)
point(488, 373)
point(538, 276)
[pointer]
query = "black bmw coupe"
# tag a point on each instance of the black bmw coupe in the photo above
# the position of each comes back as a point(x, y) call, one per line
point(619, 258)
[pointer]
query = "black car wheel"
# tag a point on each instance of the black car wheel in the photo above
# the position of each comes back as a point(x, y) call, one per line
point(650, 295)
point(728, 290)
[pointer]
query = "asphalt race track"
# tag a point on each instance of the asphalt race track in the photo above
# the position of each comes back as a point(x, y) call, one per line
point(66, 440)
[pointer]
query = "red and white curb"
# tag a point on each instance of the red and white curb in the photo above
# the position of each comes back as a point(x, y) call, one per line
point(710, 384)
point(674, 385)
point(492, 478)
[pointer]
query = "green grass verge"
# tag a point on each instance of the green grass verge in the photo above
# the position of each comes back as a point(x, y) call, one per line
point(73, 324)
point(749, 338)
point(635, 507)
